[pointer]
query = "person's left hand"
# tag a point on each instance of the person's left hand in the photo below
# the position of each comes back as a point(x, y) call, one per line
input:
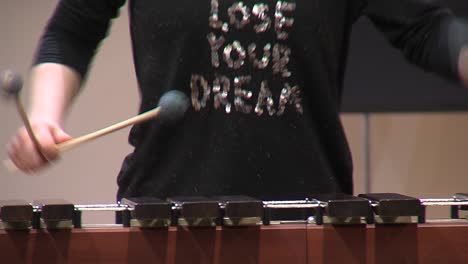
point(463, 66)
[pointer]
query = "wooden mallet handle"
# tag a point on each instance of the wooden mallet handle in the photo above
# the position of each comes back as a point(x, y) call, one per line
point(61, 147)
point(172, 107)
point(107, 130)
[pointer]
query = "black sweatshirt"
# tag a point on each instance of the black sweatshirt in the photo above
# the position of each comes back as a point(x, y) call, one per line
point(265, 81)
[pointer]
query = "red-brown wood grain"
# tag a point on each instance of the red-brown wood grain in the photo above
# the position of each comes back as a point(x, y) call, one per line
point(274, 244)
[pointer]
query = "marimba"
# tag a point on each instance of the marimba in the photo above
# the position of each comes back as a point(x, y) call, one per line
point(369, 228)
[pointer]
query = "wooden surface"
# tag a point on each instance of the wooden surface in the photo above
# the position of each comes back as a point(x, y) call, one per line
point(281, 244)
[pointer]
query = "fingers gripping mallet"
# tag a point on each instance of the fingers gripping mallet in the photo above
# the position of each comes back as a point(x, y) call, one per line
point(171, 108)
point(11, 85)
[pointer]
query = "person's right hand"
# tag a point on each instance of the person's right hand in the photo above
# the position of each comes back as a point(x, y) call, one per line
point(24, 154)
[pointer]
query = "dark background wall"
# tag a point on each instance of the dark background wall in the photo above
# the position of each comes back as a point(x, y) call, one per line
point(380, 80)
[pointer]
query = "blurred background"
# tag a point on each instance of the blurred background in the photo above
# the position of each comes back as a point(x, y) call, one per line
point(407, 129)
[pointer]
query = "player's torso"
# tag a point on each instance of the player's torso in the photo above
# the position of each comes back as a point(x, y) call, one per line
point(187, 13)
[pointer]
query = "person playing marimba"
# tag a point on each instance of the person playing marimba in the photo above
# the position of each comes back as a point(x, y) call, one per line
point(265, 80)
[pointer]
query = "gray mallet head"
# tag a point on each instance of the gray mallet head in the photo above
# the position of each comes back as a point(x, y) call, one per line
point(173, 105)
point(11, 83)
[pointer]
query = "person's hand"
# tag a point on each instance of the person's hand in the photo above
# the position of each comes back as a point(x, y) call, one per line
point(463, 66)
point(24, 154)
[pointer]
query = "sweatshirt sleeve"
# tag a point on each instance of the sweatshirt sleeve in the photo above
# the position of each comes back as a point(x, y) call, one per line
point(428, 34)
point(74, 32)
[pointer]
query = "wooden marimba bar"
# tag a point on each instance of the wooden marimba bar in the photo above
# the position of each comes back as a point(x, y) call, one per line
point(370, 228)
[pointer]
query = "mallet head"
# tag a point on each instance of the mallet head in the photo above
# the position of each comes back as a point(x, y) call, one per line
point(11, 83)
point(173, 106)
